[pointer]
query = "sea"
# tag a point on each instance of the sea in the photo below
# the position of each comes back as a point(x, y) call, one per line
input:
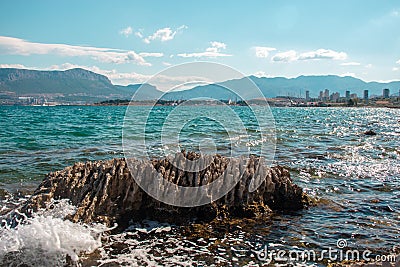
point(353, 178)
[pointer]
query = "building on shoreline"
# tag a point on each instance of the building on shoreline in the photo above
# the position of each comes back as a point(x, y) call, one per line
point(366, 96)
point(386, 93)
point(347, 95)
point(326, 94)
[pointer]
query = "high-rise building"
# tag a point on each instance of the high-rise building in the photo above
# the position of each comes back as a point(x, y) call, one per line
point(386, 93)
point(321, 95)
point(347, 95)
point(307, 95)
point(335, 97)
point(353, 96)
point(366, 96)
point(326, 94)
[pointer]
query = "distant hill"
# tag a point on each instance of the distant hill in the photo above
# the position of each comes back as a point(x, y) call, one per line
point(86, 86)
point(147, 91)
point(69, 85)
point(279, 86)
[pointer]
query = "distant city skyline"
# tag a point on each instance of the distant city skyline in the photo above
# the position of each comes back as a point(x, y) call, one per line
point(131, 41)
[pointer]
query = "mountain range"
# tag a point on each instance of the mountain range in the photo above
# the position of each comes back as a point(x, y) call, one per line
point(280, 86)
point(86, 86)
point(67, 86)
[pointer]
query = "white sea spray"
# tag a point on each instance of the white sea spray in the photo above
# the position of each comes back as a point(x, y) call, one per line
point(46, 238)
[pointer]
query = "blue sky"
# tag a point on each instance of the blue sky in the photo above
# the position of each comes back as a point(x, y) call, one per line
point(130, 40)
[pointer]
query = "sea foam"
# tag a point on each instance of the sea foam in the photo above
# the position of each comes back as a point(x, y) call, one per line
point(47, 238)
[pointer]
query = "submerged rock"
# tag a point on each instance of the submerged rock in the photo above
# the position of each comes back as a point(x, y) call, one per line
point(105, 191)
point(370, 132)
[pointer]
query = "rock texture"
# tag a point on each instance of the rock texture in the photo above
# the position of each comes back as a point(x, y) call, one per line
point(105, 191)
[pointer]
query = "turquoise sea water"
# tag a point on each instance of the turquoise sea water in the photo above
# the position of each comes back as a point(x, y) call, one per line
point(355, 177)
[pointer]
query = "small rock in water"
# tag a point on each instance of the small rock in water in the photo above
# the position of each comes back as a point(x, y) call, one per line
point(388, 208)
point(370, 132)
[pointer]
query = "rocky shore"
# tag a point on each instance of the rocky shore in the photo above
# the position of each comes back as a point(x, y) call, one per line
point(106, 191)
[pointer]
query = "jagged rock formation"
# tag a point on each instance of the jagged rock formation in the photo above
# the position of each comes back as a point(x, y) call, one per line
point(105, 191)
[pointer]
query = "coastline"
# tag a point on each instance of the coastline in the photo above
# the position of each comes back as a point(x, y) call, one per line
point(147, 104)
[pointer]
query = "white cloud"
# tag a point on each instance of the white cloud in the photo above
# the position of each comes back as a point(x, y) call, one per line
point(395, 69)
point(386, 81)
point(262, 51)
point(203, 54)
point(261, 73)
point(127, 31)
point(181, 28)
point(16, 46)
point(350, 64)
point(139, 33)
point(162, 82)
point(13, 66)
point(287, 56)
point(347, 74)
point(368, 66)
point(167, 64)
point(211, 52)
point(323, 54)
point(292, 55)
point(146, 54)
point(163, 35)
point(125, 78)
point(67, 66)
point(216, 47)
point(398, 61)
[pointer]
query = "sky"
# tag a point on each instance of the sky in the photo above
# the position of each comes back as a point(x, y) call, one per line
point(130, 41)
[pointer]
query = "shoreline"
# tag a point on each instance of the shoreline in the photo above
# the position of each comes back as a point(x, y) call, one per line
point(200, 105)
